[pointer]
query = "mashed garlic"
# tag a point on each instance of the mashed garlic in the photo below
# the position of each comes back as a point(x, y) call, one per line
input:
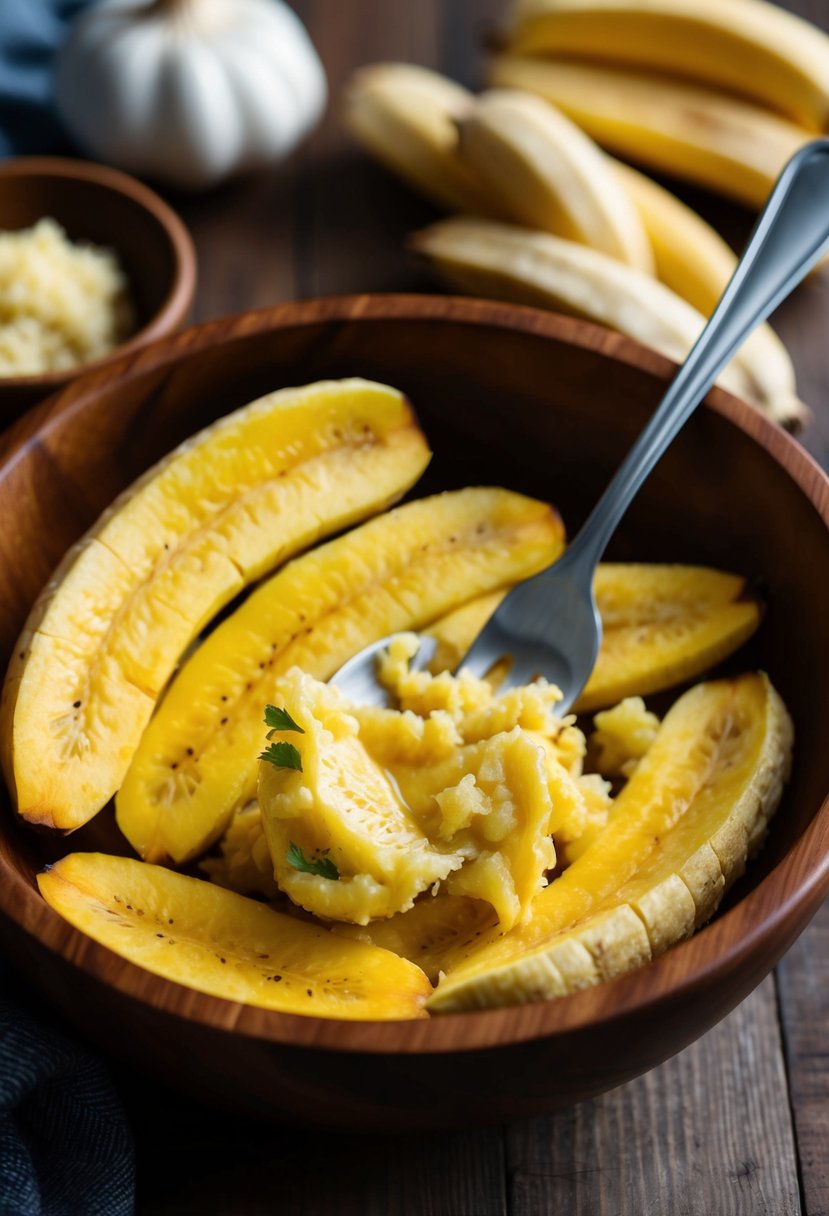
point(61, 304)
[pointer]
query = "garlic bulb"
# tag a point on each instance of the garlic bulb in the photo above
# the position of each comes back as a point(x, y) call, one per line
point(189, 91)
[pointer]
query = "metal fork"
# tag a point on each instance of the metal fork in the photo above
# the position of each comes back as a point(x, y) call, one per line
point(549, 625)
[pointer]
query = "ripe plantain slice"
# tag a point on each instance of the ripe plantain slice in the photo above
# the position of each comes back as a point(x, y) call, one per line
point(215, 941)
point(690, 618)
point(697, 803)
point(197, 760)
point(425, 933)
point(226, 507)
point(662, 625)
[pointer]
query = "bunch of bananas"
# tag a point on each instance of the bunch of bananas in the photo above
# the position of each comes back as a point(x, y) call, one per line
point(721, 92)
point(560, 224)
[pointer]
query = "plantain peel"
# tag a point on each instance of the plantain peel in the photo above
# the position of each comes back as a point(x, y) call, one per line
point(679, 834)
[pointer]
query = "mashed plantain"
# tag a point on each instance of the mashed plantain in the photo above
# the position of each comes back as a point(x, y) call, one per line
point(61, 304)
point(460, 786)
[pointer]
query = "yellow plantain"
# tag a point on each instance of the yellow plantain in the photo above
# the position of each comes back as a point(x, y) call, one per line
point(505, 262)
point(428, 931)
point(742, 46)
point(543, 172)
point(225, 508)
point(730, 145)
point(213, 940)
point(695, 262)
point(661, 625)
point(404, 115)
point(678, 835)
point(197, 760)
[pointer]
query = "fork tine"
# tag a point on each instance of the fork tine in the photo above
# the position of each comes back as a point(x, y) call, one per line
point(427, 651)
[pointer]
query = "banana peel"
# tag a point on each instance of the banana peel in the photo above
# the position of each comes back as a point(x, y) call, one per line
point(694, 261)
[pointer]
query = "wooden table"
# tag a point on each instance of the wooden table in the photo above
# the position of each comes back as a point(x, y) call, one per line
point(739, 1122)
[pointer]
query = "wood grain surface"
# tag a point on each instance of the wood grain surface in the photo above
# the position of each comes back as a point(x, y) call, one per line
point(739, 1122)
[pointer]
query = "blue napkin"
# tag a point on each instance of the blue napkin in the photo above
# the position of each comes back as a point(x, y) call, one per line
point(30, 33)
point(65, 1147)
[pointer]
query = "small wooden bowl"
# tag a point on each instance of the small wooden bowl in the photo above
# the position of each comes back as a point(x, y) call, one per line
point(100, 205)
point(507, 396)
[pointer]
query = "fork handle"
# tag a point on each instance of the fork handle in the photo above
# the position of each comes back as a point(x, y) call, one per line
point(787, 240)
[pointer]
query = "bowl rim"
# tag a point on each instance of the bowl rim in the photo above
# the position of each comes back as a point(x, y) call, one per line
point(179, 298)
point(770, 915)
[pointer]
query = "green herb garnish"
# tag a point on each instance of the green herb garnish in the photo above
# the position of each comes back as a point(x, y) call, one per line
point(282, 755)
point(280, 719)
point(323, 867)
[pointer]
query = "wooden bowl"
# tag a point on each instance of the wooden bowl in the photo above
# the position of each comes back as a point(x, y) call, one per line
point(508, 396)
point(97, 204)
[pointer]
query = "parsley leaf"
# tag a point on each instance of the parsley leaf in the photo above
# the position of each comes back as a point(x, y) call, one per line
point(280, 719)
point(323, 866)
point(282, 755)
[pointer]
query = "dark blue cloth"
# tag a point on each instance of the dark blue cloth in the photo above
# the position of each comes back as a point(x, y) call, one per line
point(30, 33)
point(65, 1146)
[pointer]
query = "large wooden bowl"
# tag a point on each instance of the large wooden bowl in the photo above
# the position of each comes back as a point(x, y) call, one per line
point(509, 396)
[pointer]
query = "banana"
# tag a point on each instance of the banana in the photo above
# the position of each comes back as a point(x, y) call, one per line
point(748, 47)
point(509, 155)
point(505, 262)
point(404, 115)
point(691, 257)
point(545, 173)
point(695, 262)
point(725, 143)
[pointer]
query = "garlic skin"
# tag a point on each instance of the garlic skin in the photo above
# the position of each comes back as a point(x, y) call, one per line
point(189, 91)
